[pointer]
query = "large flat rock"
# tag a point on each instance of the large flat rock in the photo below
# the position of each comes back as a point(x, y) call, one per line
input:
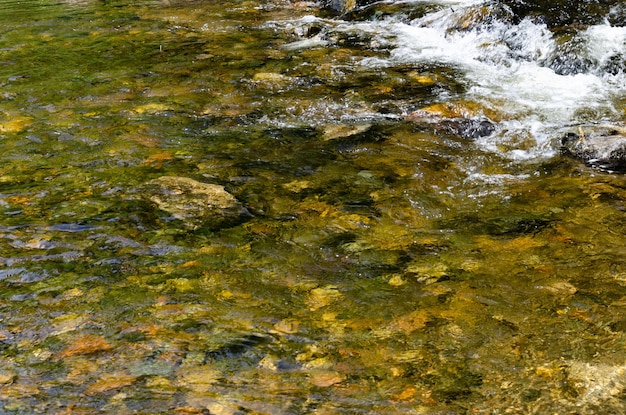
point(196, 204)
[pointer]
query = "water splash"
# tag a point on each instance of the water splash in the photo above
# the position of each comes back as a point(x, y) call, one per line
point(540, 80)
point(515, 67)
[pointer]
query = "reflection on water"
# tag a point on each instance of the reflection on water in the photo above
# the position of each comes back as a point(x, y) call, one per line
point(412, 243)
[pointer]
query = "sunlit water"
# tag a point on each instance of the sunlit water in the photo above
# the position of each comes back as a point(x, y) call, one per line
point(385, 263)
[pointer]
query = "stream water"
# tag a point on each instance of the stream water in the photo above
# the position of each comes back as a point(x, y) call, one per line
point(413, 242)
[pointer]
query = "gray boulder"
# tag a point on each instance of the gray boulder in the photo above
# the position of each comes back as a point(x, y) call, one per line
point(601, 147)
point(196, 204)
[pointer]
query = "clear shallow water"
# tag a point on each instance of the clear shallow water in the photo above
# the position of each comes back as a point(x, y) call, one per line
point(389, 265)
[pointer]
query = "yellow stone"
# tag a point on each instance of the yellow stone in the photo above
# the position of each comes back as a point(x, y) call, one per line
point(151, 108)
point(15, 124)
point(68, 322)
point(269, 77)
point(326, 378)
point(6, 377)
point(323, 296)
point(158, 382)
point(226, 295)
point(297, 185)
point(182, 285)
point(396, 280)
point(319, 363)
point(110, 381)
point(287, 326)
point(332, 132)
point(411, 322)
point(421, 78)
point(348, 5)
point(199, 379)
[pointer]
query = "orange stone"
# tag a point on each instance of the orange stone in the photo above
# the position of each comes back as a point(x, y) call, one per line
point(90, 343)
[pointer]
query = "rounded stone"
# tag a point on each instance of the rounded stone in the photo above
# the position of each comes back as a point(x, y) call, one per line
point(196, 204)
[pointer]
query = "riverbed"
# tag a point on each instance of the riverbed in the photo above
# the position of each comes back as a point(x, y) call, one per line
point(412, 240)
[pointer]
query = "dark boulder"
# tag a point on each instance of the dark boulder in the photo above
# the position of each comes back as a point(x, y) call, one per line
point(560, 13)
point(459, 119)
point(601, 147)
point(468, 128)
point(343, 6)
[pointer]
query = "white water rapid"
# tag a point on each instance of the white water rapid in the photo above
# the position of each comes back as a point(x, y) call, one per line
point(510, 67)
point(541, 82)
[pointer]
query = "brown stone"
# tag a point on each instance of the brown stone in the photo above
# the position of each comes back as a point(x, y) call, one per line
point(196, 204)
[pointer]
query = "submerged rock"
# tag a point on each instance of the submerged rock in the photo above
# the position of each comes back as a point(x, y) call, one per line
point(602, 147)
point(196, 204)
point(466, 120)
point(332, 132)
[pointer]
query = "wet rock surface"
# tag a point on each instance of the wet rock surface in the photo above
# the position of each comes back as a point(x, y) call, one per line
point(465, 120)
point(600, 147)
point(196, 204)
point(564, 12)
point(466, 128)
point(342, 6)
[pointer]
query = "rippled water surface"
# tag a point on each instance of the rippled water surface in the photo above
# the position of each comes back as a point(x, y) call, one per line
point(409, 239)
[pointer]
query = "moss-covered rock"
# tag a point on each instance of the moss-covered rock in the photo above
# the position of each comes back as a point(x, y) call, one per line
point(196, 204)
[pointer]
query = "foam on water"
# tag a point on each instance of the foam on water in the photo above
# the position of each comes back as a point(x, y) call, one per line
point(542, 82)
point(507, 66)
